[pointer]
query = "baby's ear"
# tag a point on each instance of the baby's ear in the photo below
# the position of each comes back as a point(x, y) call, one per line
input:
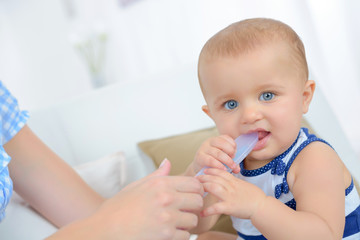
point(206, 110)
point(308, 94)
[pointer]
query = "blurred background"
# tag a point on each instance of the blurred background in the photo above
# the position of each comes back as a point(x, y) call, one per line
point(52, 50)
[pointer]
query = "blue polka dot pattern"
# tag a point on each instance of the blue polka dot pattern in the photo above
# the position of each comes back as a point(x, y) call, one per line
point(291, 204)
point(278, 167)
point(281, 188)
point(255, 172)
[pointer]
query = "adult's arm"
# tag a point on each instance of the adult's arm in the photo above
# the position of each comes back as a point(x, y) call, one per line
point(159, 206)
point(48, 183)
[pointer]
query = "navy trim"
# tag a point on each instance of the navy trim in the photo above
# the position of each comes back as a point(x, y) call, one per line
point(350, 187)
point(267, 167)
point(352, 223)
point(255, 172)
point(284, 187)
point(311, 138)
point(291, 204)
point(249, 237)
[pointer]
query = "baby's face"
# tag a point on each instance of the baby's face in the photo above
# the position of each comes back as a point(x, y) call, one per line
point(258, 91)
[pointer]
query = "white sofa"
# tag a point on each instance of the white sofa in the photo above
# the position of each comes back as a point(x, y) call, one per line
point(116, 117)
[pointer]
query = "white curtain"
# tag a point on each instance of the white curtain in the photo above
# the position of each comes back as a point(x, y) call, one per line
point(335, 60)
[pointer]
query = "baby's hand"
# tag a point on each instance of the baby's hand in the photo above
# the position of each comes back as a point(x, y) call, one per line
point(215, 152)
point(236, 197)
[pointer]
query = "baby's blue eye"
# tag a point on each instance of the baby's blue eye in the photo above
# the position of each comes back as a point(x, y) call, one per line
point(267, 96)
point(231, 104)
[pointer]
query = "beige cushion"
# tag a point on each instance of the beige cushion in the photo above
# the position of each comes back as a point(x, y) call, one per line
point(180, 149)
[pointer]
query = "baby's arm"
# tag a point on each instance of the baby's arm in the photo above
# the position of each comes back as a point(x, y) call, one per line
point(316, 180)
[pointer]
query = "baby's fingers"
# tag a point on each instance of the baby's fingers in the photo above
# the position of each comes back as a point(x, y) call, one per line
point(210, 161)
point(223, 149)
point(225, 143)
point(216, 209)
point(216, 172)
point(215, 185)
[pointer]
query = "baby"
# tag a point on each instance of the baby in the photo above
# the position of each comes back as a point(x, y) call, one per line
point(254, 78)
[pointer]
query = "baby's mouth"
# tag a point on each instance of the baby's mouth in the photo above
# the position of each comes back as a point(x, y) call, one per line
point(263, 137)
point(262, 134)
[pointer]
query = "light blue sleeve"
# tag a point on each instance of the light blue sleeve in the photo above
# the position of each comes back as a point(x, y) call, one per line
point(11, 121)
point(6, 184)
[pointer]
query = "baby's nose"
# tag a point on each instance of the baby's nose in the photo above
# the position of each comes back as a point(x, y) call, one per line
point(250, 114)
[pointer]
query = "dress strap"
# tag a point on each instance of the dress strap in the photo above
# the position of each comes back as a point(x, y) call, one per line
point(311, 138)
point(284, 186)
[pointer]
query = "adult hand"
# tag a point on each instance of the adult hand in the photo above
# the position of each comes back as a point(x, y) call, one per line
point(156, 207)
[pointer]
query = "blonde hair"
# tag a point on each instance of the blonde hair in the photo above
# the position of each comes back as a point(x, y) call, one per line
point(244, 36)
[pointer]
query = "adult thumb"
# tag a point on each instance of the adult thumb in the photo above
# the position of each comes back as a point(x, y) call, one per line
point(163, 170)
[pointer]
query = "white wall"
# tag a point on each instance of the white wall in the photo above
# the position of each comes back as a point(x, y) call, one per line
point(40, 65)
point(37, 62)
